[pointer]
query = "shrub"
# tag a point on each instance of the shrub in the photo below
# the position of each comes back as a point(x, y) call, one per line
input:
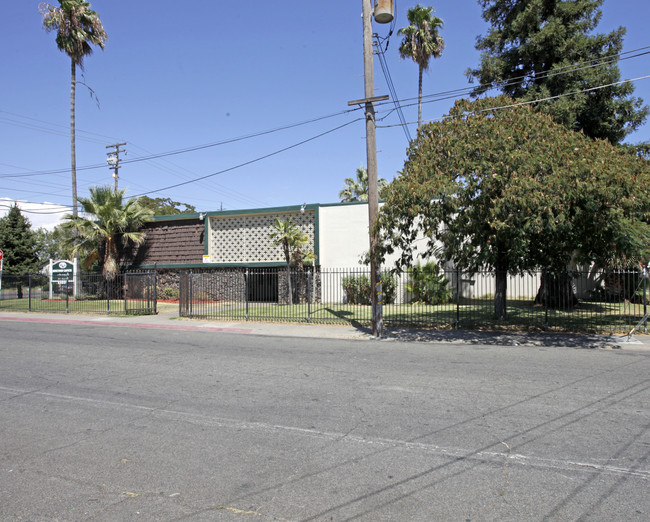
point(358, 288)
point(428, 285)
point(168, 293)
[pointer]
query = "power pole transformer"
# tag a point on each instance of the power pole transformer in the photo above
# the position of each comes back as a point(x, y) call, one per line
point(113, 159)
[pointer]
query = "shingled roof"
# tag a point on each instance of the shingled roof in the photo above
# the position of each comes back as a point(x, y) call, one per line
point(172, 242)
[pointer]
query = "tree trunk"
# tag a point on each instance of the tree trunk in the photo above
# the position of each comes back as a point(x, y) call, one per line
point(501, 287)
point(287, 256)
point(73, 153)
point(556, 291)
point(419, 97)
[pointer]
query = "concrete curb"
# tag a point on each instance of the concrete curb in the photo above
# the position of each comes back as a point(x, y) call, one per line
point(170, 321)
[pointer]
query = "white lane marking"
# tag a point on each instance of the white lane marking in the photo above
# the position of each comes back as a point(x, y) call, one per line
point(456, 453)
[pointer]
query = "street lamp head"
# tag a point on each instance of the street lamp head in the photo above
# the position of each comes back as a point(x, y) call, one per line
point(383, 11)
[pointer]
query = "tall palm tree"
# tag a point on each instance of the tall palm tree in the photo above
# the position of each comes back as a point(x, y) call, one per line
point(112, 226)
point(421, 42)
point(77, 28)
point(288, 235)
point(357, 190)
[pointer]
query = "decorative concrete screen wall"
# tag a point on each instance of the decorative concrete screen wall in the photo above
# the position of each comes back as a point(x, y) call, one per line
point(245, 238)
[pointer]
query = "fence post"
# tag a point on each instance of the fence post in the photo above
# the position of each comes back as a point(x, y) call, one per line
point(645, 303)
point(545, 282)
point(108, 297)
point(29, 292)
point(190, 294)
point(155, 288)
point(246, 291)
point(457, 298)
point(125, 286)
point(308, 295)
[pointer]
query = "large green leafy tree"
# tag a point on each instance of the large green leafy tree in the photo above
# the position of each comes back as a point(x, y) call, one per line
point(421, 42)
point(357, 189)
point(52, 244)
point(166, 206)
point(511, 190)
point(112, 227)
point(536, 49)
point(18, 243)
point(77, 28)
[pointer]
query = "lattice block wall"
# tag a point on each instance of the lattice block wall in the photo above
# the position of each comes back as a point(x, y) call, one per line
point(245, 239)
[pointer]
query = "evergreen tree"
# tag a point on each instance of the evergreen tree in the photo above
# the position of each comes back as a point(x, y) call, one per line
point(538, 49)
point(18, 243)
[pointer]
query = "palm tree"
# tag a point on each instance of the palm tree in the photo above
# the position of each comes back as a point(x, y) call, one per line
point(357, 190)
point(77, 27)
point(289, 236)
point(421, 42)
point(111, 226)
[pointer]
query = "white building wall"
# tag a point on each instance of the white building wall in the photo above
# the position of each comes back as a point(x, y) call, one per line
point(344, 237)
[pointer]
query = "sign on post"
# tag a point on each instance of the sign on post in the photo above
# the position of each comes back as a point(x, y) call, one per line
point(62, 272)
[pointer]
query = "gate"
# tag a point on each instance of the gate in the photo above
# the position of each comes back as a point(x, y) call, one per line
point(140, 292)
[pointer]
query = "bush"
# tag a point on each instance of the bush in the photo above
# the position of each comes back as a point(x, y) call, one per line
point(427, 285)
point(358, 289)
point(168, 293)
point(389, 287)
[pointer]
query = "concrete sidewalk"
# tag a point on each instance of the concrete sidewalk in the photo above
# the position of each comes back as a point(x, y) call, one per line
point(171, 321)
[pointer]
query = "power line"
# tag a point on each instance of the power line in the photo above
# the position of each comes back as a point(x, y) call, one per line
point(391, 86)
point(259, 158)
point(188, 149)
point(531, 102)
point(398, 105)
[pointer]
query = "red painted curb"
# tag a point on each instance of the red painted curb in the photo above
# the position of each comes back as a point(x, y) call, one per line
point(133, 325)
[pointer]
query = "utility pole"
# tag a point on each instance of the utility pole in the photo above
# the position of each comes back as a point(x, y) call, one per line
point(371, 155)
point(113, 159)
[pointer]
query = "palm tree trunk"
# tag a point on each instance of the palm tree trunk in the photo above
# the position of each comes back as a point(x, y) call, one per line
point(287, 256)
point(73, 157)
point(419, 97)
point(73, 152)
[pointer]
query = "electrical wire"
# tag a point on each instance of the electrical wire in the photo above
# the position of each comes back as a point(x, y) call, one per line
point(445, 95)
point(391, 86)
point(187, 149)
point(255, 160)
point(531, 102)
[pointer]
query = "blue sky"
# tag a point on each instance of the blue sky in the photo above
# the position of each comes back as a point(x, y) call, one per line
point(178, 75)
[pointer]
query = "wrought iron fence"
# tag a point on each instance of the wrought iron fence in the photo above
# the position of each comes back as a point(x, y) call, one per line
point(126, 293)
point(589, 301)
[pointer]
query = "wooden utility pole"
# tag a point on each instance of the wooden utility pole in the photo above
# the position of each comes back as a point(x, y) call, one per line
point(386, 8)
point(371, 154)
point(113, 159)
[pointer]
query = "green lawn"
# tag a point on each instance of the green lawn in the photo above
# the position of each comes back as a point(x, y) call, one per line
point(522, 315)
point(90, 306)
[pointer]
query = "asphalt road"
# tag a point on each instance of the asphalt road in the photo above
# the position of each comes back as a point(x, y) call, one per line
point(110, 423)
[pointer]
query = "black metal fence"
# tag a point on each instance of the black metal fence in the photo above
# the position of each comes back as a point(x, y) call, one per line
point(590, 301)
point(126, 293)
